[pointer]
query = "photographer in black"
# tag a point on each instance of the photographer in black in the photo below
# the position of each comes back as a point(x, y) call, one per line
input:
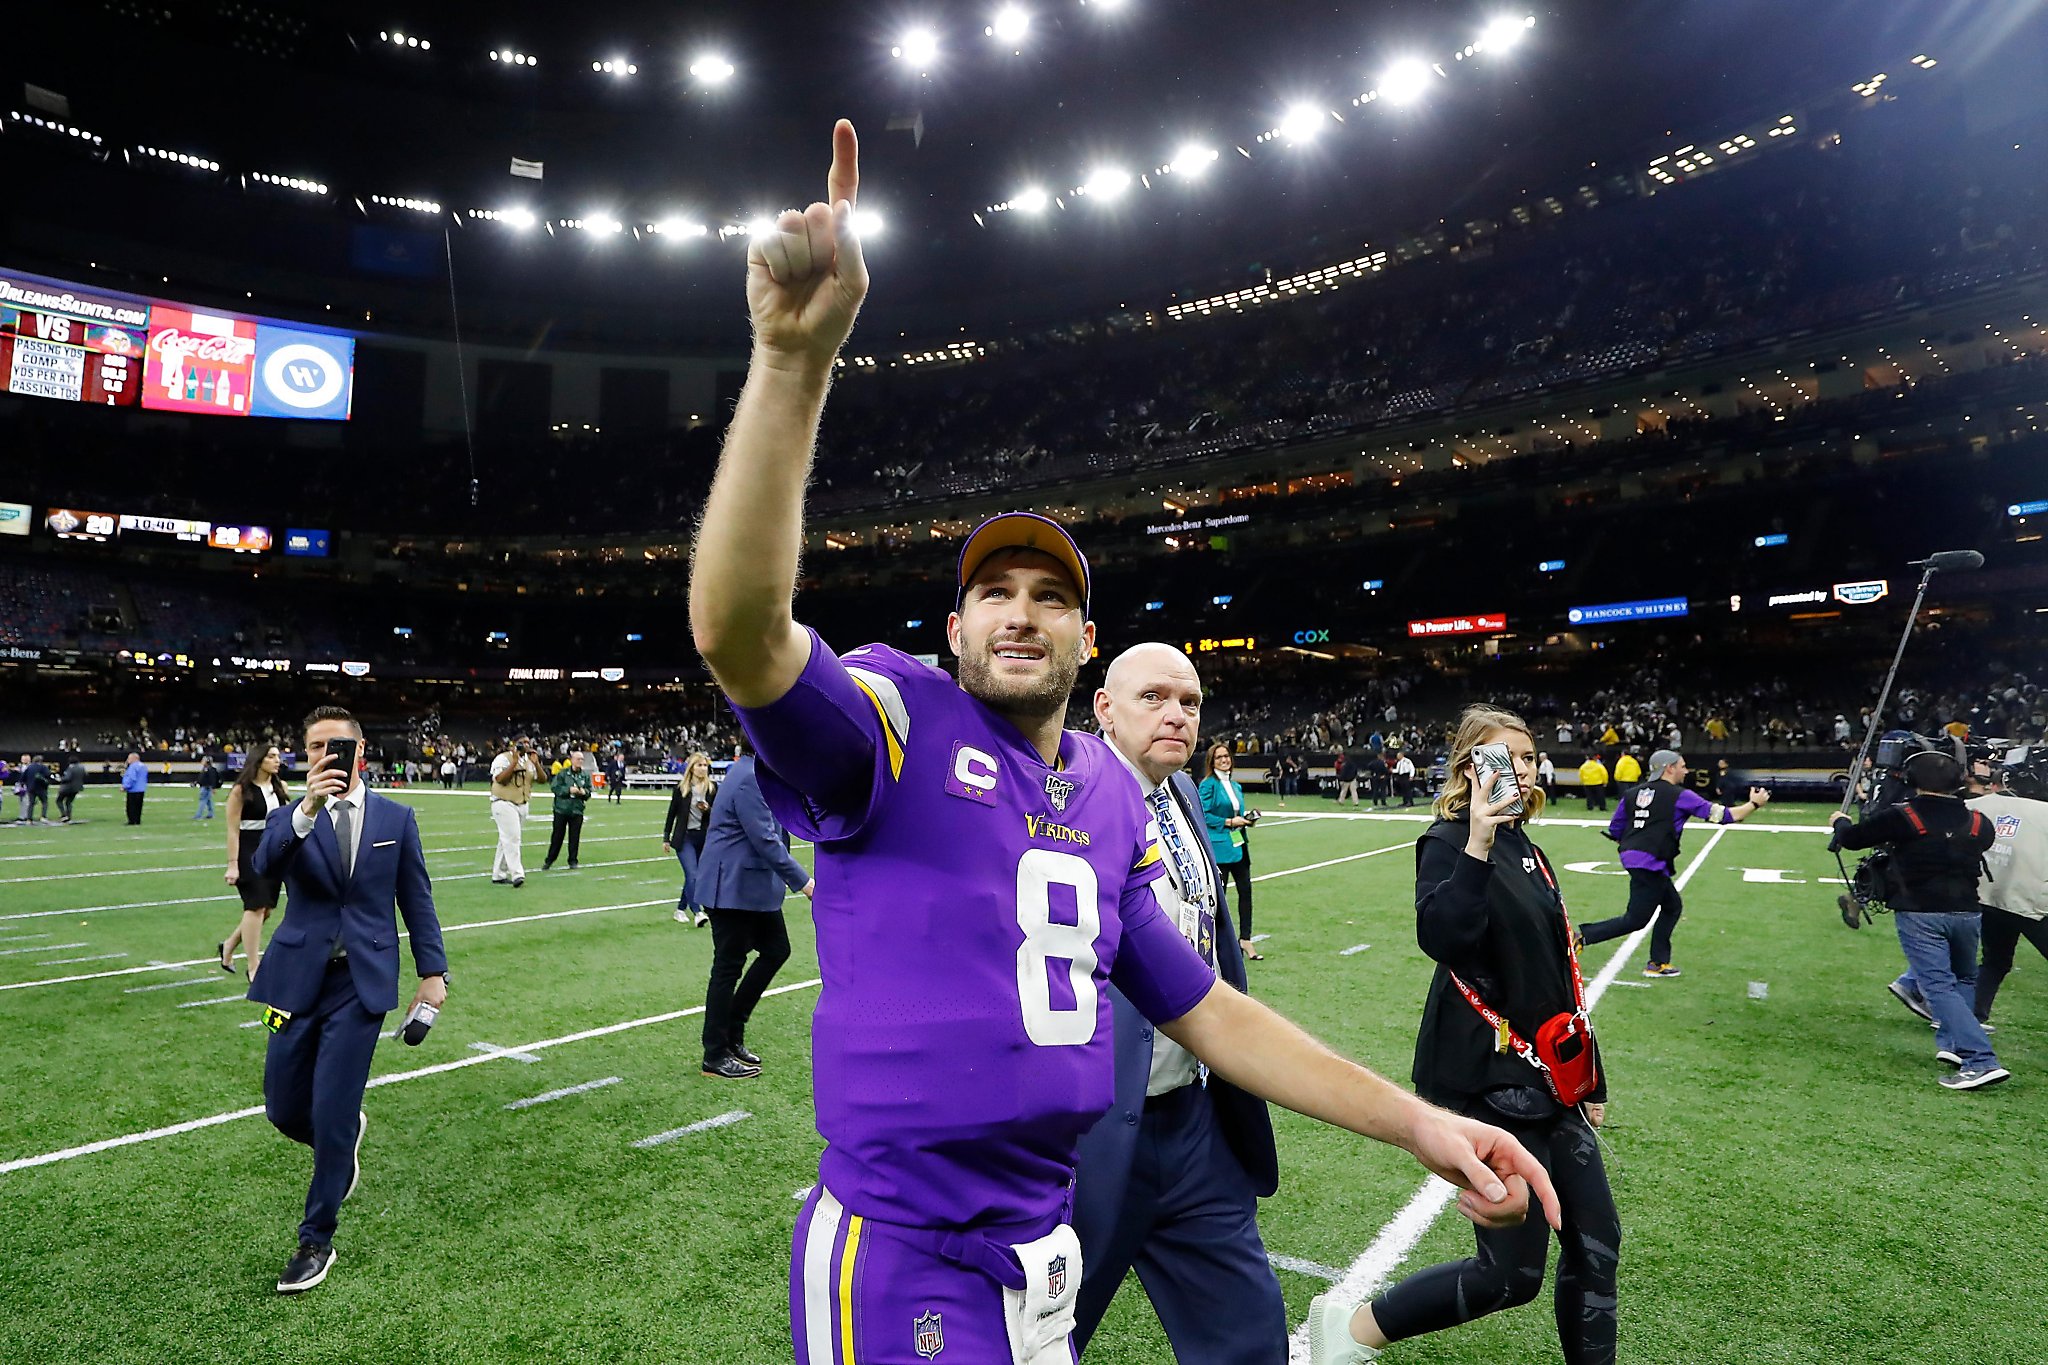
point(1936, 846)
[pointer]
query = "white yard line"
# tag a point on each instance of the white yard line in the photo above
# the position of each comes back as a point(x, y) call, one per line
point(44, 948)
point(518, 919)
point(459, 1064)
point(217, 1000)
point(184, 842)
point(219, 863)
point(1353, 950)
point(1331, 862)
point(720, 1121)
point(95, 957)
point(1377, 1263)
point(446, 929)
point(1423, 817)
point(226, 898)
point(1301, 1267)
point(493, 1050)
point(171, 985)
point(563, 1093)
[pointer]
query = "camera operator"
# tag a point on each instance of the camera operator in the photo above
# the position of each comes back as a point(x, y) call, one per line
point(1937, 848)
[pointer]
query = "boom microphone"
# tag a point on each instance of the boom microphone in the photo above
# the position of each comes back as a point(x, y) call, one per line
point(1952, 561)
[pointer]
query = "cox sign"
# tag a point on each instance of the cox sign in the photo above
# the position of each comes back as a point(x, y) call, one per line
point(1311, 637)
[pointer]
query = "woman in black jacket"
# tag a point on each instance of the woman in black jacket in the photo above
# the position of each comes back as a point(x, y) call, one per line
point(1488, 910)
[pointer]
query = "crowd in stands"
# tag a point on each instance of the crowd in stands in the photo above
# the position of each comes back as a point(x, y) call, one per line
point(1794, 242)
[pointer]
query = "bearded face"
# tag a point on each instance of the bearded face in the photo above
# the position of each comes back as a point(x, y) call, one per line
point(1021, 635)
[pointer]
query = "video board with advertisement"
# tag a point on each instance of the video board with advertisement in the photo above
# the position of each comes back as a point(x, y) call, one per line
point(80, 345)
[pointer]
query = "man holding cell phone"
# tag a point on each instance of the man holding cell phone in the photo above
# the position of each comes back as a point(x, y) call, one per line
point(347, 858)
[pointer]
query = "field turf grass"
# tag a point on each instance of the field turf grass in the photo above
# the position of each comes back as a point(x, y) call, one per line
point(1794, 1185)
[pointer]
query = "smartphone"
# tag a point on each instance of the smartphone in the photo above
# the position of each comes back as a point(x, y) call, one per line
point(1497, 774)
point(345, 750)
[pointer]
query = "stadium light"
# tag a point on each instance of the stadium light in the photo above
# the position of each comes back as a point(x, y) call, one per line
point(1504, 32)
point(1404, 82)
point(600, 224)
point(1010, 26)
point(1032, 200)
point(758, 228)
point(520, 219)
point(919, 47)
point(1107, 183)
point(398, 201)
point(290, 182)
point(617, 66)
point(868, 224)
point(1192, 159)
point(1301, 122)
point(678, 227)
point(712, 69)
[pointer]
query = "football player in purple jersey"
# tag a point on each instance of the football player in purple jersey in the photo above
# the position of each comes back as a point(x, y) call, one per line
point(982, 873)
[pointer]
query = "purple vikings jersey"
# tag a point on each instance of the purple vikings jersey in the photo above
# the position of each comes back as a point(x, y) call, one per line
point(971, 904)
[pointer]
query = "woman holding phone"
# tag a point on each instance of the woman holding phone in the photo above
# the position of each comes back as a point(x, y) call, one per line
point(1229, 827)
point(257, 792)
point(1504, 1037)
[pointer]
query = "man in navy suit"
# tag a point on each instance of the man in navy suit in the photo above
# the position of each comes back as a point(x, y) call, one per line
point(745, 872)
point(346, 857)
point(1170, 1178)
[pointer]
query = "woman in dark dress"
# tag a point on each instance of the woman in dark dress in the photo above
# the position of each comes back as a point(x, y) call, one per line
point(256, 793)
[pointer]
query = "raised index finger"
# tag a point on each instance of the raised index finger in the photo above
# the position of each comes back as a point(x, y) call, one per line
point(844, 180)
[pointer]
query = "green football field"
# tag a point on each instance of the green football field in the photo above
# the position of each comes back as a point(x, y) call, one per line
point(1794, 1185)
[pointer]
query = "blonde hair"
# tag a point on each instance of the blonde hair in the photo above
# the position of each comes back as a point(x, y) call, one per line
point(1473, 727)
point(690, 766)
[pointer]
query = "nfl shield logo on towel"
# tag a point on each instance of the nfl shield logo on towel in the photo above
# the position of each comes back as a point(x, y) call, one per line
point(1056, 1277)
point(930, 1340)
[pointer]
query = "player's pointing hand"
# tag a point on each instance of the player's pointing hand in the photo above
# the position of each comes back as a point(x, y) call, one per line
point(806, 278)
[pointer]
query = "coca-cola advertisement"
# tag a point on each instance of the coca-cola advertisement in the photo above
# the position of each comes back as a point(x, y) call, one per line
point(199, 362)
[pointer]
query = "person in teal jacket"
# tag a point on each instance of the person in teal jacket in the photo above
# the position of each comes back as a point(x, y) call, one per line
point(1230, 822)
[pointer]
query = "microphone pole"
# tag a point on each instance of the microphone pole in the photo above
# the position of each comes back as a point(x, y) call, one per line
point(1955, 561)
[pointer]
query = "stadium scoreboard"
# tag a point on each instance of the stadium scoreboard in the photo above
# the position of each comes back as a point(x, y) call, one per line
point(73, 344)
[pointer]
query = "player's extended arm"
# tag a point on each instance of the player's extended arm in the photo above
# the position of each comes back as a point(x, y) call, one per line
point(805, 283)
point(1256, 1049)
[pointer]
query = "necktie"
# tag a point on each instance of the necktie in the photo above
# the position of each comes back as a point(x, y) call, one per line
point(344, 831)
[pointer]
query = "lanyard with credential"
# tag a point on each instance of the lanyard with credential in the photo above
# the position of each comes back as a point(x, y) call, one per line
point(1196, 896)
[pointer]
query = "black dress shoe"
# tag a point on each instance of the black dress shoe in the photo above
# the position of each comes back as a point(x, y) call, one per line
point(745, 1054)
point(518, 882)
point(730, 1068)
point(307, 1267)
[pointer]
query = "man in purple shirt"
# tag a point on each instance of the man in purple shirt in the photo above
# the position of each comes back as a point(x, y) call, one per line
point(1647, 824)
point(983, 874)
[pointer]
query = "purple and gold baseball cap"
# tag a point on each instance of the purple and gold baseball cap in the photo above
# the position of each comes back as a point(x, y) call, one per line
point(1023, 531)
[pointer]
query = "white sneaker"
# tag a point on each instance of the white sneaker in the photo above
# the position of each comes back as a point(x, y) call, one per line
point(1329, 1333)
point(682, 917)
point(1944, 1055)
point(702, 919)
